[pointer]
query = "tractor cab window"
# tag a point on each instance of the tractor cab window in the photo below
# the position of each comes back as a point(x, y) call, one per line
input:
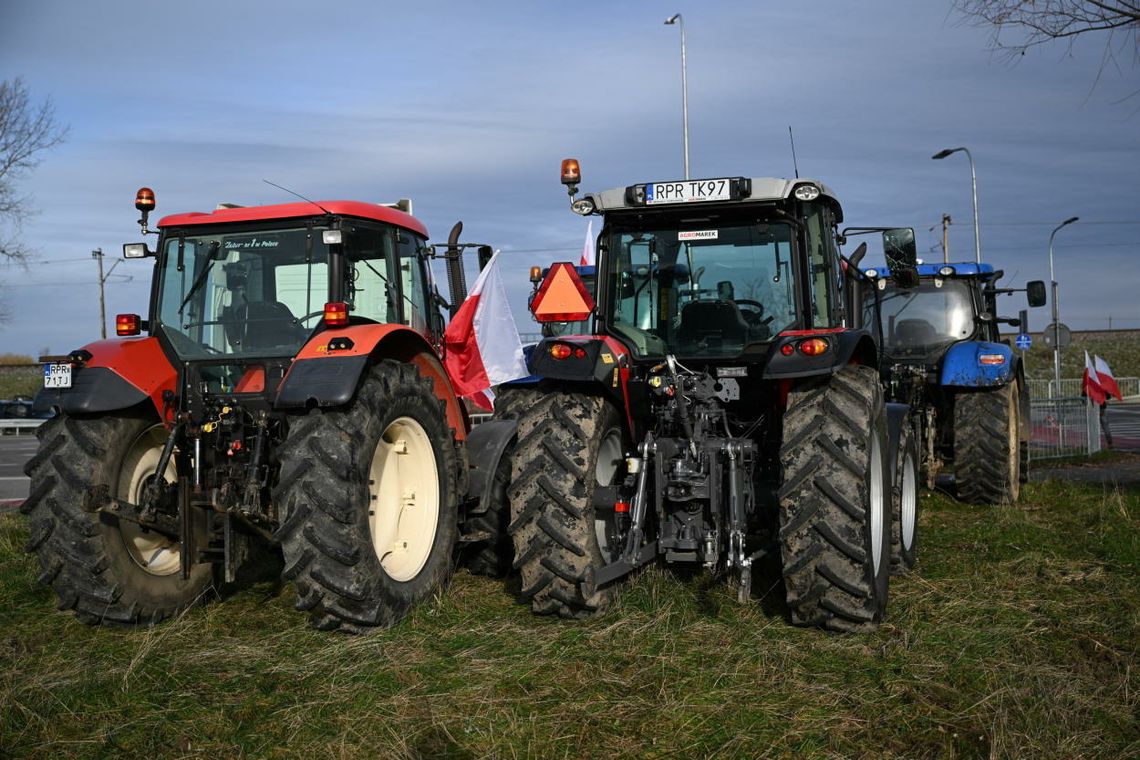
point(922, 321)
point(243, 293)
point(824, 276)
point(706, 288)
point(370, 289)
point(413, 283)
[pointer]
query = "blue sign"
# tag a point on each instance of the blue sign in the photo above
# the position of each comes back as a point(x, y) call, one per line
point(1023, 341)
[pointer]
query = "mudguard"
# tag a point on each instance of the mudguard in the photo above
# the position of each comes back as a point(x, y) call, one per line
point(328, 368)
point(845, 346)
point(118, 375)
point(485, 447)
point(963, 365)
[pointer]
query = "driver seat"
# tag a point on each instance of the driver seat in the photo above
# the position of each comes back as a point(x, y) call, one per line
point(720, 320)
point(261, 324)
point(912, 333)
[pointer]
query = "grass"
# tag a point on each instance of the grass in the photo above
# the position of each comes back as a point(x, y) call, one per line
point(1016, 637)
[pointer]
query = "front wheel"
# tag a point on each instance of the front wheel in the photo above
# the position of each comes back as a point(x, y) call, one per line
point(987, 445)
point(905, 503)
point(105, 569)
point(368, 500)
point(835, 501)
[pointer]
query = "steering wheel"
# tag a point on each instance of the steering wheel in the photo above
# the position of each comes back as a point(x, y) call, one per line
point(301, 320)
point(754, 313)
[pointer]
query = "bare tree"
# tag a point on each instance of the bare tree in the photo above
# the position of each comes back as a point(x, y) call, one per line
point(26, 131)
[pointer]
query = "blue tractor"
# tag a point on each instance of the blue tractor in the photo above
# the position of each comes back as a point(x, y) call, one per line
point(943, 355)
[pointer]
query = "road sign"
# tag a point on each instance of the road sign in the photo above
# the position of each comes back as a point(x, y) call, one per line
point(1057, 335)
point(1023, 342)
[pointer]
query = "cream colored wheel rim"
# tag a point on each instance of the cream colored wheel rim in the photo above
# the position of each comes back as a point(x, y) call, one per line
point(403, 498)
point(154, 553)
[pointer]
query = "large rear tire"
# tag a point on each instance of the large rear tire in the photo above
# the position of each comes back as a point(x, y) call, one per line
point(905, 503)
point(835, 501)
point(987, 445)
point(106, 570)
point(368, 499)
point(568, 444)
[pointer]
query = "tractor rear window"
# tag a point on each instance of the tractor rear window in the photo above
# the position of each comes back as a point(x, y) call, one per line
point(704, 288)
point(247, 293)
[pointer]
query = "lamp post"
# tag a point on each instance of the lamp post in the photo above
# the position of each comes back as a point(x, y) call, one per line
point(1056, 310)
point(97, 254)
point(679, 21)
point(974, 188)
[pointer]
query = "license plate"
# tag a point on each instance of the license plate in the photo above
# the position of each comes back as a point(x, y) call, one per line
point(688, 191)
point(57, 375)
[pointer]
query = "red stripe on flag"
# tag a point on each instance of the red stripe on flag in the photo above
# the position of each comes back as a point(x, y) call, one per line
point(462, 359)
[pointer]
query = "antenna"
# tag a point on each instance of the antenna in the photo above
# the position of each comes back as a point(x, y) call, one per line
point(792, 140)
point(292, 192)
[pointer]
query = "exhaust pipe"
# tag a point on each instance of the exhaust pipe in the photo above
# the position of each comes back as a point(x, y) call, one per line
point(456, 280)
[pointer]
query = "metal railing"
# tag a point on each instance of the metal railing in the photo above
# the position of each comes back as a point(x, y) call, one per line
point(1071, 387)
point(19, 427)
point(1063, 427)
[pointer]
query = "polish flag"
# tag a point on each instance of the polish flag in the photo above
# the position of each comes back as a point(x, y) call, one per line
point(588, 257)
point(1107, 380)
point(481, 344)
point(1090, 382)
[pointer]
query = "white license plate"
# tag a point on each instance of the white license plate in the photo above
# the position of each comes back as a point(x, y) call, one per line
point(688, 191)
point(57, 375)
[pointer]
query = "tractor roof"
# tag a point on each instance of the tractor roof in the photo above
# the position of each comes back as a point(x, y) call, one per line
point(760, 189)
point(230, 215)
point(959, 269)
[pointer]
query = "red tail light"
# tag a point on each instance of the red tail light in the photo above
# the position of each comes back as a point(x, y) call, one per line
point(128, 324)
point(336, 314)
point(813, 346)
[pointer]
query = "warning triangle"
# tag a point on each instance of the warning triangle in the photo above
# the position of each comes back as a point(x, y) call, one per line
point(562, 297)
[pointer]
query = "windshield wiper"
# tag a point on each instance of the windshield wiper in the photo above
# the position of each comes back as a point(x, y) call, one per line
point(200, 279)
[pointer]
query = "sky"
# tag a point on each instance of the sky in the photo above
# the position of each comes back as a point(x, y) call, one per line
point(468, 109)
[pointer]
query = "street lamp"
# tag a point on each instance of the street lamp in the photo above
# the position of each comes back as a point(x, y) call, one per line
point(676, 19)
point(1056, 310)
point(974, 187)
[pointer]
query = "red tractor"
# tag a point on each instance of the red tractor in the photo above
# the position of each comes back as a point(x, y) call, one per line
point(725, 406)
point(285, 391)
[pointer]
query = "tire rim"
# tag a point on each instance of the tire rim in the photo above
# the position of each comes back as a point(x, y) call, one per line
point(403, 498)
point(154, 553)
point(877, 509)
point(610, 460)
point(909, 501)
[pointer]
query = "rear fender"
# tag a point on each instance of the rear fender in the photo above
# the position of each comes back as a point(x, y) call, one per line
point(897, 415)
point(485, 446)
point(327, 370)
point(603, 364)
point(846, 347)
point(119, 375)
point(963, 367)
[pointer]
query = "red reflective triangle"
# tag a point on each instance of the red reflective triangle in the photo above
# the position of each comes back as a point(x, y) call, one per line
point(562, 297)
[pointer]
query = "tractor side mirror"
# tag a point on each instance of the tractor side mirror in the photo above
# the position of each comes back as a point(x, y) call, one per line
point(485, 252)
point(1035, 292)
point(902, 256)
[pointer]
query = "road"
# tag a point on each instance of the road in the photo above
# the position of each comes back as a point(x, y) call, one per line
point(15, 450)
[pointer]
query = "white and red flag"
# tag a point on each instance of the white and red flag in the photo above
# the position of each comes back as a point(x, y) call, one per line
point(481, 344)
point(1106, 378)
point(1090, 382)
point(588, 257)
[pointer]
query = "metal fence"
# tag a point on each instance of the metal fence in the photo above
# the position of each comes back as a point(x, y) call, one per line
point(1063, 427)
point(1071, 387)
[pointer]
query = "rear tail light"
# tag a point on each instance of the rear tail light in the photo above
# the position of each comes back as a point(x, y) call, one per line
point(128, 324)
point(336, 314)
point(813, 346)
point(561, 351)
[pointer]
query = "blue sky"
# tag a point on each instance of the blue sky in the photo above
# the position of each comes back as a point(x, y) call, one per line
point(467, 108)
